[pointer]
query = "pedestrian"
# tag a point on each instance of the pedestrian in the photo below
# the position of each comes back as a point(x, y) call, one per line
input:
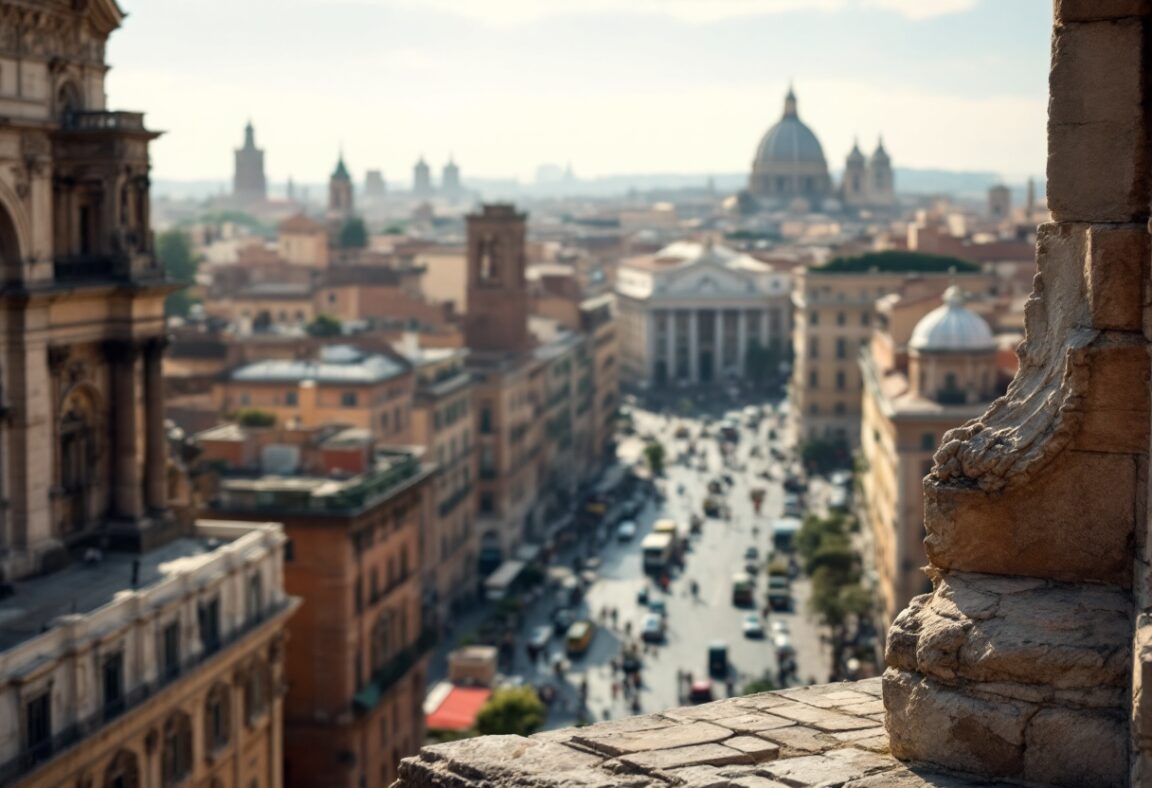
point(730, 687)
point(615, 689)
point(615, 616)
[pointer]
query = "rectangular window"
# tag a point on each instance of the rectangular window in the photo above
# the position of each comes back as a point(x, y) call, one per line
point(840, 381)
point(928, 441)
point(289, 550)
point(840, 318)
point(487, 506)
point(841, 349)
point(38, 719)
point(290, 398)
point(209, 614)
point(171, 650)
point(113, 674)
point(865, 318)
point(813, 348)
point(813, 379)
point(813, 318)
point(348, 399)
point(485, 419)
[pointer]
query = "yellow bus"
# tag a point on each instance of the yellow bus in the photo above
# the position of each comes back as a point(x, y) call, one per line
point(579, 637)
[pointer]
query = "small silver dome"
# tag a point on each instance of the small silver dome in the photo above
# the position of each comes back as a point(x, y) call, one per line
point(952, 328)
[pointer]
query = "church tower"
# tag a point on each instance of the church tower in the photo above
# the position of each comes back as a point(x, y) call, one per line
point(854, 189)
point(422, 178)
point(248, 183)
point(450, 180)
point(496, 320)
point(340, 197)
point(881, 182)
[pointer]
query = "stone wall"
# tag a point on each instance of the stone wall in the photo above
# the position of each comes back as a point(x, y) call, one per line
point(1019, 664)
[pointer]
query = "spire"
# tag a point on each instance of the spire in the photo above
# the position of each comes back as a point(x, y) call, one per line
point(790, 103)
point(341, 170)
point(249, 135)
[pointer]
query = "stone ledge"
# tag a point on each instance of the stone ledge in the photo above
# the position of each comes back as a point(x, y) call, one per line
point(830, 735)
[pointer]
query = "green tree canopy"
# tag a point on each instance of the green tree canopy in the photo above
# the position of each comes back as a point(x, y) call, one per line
point(353, 234)
point(251, 417)
point(324, 325)
point(895, 262)
point(174, 250)
point(654, 453)
point(511, 710)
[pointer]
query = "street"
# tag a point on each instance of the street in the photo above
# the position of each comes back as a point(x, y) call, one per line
point(692, 623)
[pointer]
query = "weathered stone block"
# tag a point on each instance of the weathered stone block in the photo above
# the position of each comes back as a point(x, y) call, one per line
point(697, 755)
point(496, 760)
point(1070, 747)
point(1096, 74)
point(618, 743)
point(832, 768)
point(1115, 406)
point(756, 748)
point(1117, 259)
point(1048, 528)
point(1092, 10)
point(930, 721)
point(1096, 172)
point(752, 723)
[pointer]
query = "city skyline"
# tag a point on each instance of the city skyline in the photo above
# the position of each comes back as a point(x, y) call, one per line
point(389, 82)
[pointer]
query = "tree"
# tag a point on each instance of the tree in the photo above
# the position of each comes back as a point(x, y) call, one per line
point(174, 250)
point(511, 710)
point(822, 456)
point(353, 235)
point(654, 453)
point(762, 684)
point(251, 417)
point(324, 325)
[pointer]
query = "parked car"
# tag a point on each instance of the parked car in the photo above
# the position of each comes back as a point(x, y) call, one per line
point(782, 641)
point(627, 531)
point(700, 691)
point(540, 638)
point(753, 626)
point(751, 554)
point(718, 659)
point(652, 630)
point(562, 619)
point(658, 605)
point(642, 596)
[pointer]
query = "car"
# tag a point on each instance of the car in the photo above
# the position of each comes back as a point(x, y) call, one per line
point(780, 627)
point(700, 691)
point(658, 605)
point(751, 554)
point(562, 619)
point(540, 638)
point(752, 625)
point(782, 641)
point(652, 630)
point(627, 531)
point(642, 596)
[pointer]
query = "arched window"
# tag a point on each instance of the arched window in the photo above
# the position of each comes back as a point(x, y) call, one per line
point(68, 102)
point(122, 771)
point(256, 688)
point(176, 758)
point(217, 722)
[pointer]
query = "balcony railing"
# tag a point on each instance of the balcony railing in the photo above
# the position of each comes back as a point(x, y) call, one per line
point(104, 121)
point(34, 755)
point(394, 670)
point(84, 267)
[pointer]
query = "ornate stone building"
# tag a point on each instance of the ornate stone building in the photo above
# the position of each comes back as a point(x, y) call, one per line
point(248, 183)
point(868, 182)
point(921, 378)
point(82, 306)
point(699, 314)
point(341, 200)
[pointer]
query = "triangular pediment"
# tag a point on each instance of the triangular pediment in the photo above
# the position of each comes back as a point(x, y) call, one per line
point(705, 279)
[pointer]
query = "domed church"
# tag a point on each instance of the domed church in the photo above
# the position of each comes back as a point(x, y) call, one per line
point(790, 163)
point(790, 166)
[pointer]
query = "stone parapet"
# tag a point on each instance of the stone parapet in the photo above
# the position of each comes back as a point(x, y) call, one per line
point(823, 735)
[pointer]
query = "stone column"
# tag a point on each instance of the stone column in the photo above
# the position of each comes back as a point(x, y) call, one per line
point(126, 446)
point(1019, 664)
point(742, 341)
point(718, 344)
point(694, 345)
point(670, 342)
point(762, 328)
point(156, 441)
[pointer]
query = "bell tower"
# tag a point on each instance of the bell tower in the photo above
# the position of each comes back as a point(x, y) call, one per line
point(497, 316)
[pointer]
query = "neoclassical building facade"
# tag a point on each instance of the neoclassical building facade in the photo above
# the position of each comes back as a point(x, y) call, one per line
point(699, 314)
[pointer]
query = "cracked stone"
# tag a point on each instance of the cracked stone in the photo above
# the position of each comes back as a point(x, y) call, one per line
point(613, 743)
point(697, 755)
point(760, 749)
point(752, 723)
point(832, 768)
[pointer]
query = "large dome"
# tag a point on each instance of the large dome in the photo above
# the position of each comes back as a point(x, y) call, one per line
point(952, 328)
point(789, 140)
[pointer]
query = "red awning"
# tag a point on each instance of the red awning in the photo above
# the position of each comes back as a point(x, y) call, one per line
point(458, 711)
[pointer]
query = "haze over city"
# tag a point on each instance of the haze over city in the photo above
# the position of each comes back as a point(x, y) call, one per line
point(612, 87)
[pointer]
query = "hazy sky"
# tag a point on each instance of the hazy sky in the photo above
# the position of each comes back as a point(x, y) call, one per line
point(613, 86)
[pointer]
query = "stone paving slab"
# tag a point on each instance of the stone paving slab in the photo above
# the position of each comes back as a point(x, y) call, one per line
point(814, 736)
